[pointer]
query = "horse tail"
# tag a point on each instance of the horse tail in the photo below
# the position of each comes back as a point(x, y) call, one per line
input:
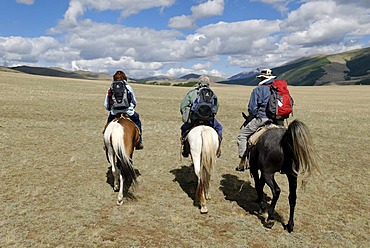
point(207, 160)
point(305, 157)
point(124, 163)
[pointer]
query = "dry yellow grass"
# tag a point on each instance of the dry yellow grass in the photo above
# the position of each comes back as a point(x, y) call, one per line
point(54, 190)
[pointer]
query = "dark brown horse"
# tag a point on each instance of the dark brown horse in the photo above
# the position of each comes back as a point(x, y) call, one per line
point(120, 138)
point(288, 150)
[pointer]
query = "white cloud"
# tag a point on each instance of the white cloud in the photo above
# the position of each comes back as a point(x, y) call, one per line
point(175, 72)
point(325, 23)
point(208, 9)
point(127, 7)
point(280, 5)
point(182, 22)
point(27, 2)
point(249, 36)
point(203, 66)
point(203, 10)
point(124, 63)
point(29, 50)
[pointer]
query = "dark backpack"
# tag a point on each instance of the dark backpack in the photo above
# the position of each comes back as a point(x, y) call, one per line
point(120, 95)
point(205, 105)
point(280, 104)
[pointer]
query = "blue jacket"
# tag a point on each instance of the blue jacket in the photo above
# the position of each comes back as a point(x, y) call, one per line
point(259, 99)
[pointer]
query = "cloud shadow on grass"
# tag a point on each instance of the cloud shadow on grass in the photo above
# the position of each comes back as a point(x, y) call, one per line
point(245, 195)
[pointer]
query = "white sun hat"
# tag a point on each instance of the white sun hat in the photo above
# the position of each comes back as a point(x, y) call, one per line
point(266, 74)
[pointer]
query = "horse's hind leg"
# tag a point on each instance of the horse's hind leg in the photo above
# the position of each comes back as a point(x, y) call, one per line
point(200, 194)
point(202, 200)
point(292, 200)
point(116, 172)
point(270, 181)
point(120, 192)
point(259, 183)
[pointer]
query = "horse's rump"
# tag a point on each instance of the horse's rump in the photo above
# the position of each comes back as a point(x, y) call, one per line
point(132, 134)
point(203, 142)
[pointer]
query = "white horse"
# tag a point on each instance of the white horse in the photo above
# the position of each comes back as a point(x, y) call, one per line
point(204, 145)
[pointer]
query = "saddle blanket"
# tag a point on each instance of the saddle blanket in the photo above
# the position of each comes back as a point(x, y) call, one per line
point(255, 136)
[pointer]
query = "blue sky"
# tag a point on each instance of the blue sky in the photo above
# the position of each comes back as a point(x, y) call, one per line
point(177, 37)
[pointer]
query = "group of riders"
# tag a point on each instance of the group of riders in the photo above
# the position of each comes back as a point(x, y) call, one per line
point(198, 107)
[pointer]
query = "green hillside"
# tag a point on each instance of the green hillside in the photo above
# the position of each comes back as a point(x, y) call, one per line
point(303, 73)
point(348, 68)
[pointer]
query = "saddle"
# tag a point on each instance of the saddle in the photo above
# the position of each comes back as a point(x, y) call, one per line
point(252, 140)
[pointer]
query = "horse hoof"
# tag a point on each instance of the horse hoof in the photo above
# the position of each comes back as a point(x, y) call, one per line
point(289, 228)
point(119, 202)
point(263, 214)
point(203, 210)
point(269, 224)
point(262, 211)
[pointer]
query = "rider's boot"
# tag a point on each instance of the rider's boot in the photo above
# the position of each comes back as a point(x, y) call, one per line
point(219, 146)
point(243, 164)
point(139, 146)
point(185, 148)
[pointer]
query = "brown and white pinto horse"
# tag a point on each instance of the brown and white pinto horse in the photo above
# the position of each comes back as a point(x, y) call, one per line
point(120, 138)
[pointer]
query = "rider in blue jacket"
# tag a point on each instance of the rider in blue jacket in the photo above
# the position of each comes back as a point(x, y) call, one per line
point(257, 111)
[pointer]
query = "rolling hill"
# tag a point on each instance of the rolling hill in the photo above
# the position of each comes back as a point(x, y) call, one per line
point(57, 72)
point(347, 68)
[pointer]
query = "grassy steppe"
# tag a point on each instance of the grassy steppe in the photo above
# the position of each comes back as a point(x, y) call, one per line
point(54, 188)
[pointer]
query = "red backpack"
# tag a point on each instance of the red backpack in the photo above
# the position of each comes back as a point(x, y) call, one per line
point(280, 104)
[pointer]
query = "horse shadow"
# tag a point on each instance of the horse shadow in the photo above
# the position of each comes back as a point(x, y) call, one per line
point(188, 181)
point(245, 195)
point(110, 181)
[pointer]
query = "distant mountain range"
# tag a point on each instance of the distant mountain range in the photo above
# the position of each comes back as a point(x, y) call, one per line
point(245, 74)
point(347, 68)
